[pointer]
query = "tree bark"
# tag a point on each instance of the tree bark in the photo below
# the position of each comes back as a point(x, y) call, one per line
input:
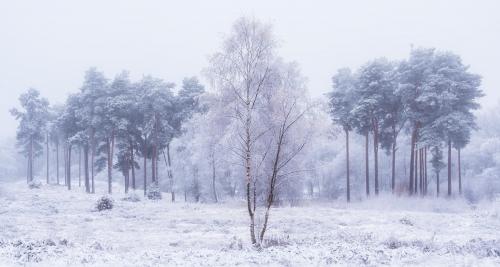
point(57, 160)
point(108, 151)
point(367, 164)
point(132, 167)
point(449, 167)
point(348, 182)
point(393, 164)
point(47, 148)
point(426, 182)
point(79, 166)
point(69, 167)
point(92, 149)
point(459, 173)
point(375, 153)
point(214, 190)
point(412, 157)
point(145, 177)
point(86, 168)
point(437, 183)
point(169, 172)
point(65, 161)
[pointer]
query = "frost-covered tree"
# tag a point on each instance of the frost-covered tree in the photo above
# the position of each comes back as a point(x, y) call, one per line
point(341, 105)
point(32, 122)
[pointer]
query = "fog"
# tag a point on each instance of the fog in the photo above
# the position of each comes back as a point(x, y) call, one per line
point(49, 44)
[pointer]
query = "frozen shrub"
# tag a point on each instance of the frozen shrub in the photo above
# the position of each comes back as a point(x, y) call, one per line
point(132, 197)
point(154, 192)
point(276, 241)
point(35, 184)
point(104, 203)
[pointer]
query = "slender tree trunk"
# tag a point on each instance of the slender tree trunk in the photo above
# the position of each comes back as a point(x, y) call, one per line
point(214, 190)
point(393, 165)
point(57, 160)
point(69, 167)
point(437, 183)
point(415, 182)
point(86, 168)
point(79, 166)
point(421, 170)
point(65, 161)
point(145, 177)
point(92, 143)
point(412, 157)
point(459, 173)
point(47, 149)
point(367, 164)
point(426, 182)
point(108, 151)
point(348, 182)
point(375, 155)
point(449, 167)
point(132, 167)
point(169, 172)
point(248, 174)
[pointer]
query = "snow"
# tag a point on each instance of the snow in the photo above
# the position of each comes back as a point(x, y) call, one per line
point(51, 226)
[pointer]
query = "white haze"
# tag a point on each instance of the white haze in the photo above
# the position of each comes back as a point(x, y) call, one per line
point(49, 44)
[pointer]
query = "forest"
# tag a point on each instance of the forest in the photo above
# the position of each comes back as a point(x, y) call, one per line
point(249, 132)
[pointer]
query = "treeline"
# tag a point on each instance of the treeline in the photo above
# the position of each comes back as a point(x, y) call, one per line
point(111, 124)
point(430, 97)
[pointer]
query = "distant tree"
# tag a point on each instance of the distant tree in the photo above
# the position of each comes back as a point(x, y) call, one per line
point(341, 105)
point(32, 119)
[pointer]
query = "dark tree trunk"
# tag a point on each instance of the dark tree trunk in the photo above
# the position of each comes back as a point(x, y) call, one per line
point(86, 168)
point(132, 167)
point(412, 158)
point(109, 166)
point(393, 166)
point(79, 166)
point(375, 154)
point(459, 173)
point(367, 164)
point(65, 161)
point(348, 182)
point(449, 167)
point(426, 182)
point(437, 183)
point(57, 160)
point(47, 148)
point(415, 182)
point(145, 177)
point(92, 143)
point(69, 167)
point(214, 190)
point(170, 173)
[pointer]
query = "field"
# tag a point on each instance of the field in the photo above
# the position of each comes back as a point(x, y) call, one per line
point(51, 226)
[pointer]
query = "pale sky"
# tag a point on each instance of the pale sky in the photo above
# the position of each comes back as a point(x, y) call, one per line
point(49, 44)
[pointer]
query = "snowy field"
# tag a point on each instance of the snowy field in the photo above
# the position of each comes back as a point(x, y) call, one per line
point(53, 227)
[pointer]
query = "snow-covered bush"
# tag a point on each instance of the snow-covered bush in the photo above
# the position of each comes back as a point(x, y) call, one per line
point(154, 192)
point(104, 203)
point(132, 197)
point(35, 184)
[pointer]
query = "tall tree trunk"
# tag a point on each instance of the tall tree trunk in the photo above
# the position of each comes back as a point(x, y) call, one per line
point(393, 164)
point(47, 149)
point(375, 153)
point(132, 159)
point(65, 161)
point(421, 170)
point(415, 182)
point(367, 164)
point(57, 160)
point(86, 168)
point(449, 167)
point(426, 183)
point(248, 174)
point(79, 166)
point(412, 158)
point(459, 173)
point(348, 182)
point(92, 143)
point(214, 190)
point(109, 166)
point(169, 172)
point(437, 183)
point(145, 177)
point(69, 167)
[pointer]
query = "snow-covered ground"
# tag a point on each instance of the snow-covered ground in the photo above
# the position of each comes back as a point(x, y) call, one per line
point(53, 227)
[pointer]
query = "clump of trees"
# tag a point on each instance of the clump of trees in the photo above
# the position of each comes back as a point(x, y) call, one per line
point(111, 124)
point(430, 96)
